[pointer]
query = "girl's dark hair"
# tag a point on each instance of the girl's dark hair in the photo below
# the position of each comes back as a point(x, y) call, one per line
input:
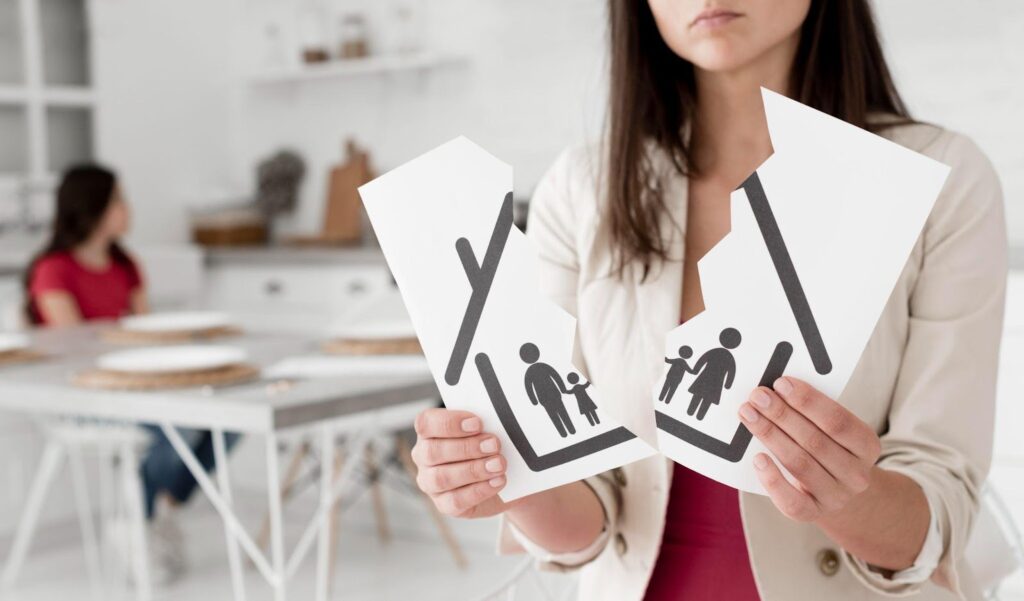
point(84, 194)
point(839, 69)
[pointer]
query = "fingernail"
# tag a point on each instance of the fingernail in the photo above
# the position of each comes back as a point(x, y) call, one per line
point(489, 446)
point(760, 461)
point(748, 413)
point(761, 398)
point(783, 386)
point(497, 482)
point(494, 465)
point(471, 424)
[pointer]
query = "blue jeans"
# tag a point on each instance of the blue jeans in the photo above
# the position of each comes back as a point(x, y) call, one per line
point(163, 471)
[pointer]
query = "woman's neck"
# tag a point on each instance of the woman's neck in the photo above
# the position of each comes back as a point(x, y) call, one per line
point(730, 132)
point(94, 252)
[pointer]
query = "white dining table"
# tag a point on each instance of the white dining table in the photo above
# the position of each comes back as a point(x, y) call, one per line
point(264, 407)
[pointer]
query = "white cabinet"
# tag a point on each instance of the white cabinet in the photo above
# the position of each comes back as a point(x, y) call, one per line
point(307, 297)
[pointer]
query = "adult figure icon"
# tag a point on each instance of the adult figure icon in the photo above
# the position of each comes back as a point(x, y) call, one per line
point(545, 387)
point(716, 370)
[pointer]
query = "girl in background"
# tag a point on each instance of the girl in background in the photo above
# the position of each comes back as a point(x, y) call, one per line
point(82, 274)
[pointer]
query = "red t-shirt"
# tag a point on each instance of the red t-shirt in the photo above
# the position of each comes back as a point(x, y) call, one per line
point(100, 294)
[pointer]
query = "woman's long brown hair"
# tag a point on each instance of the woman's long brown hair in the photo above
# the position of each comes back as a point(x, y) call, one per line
point(839, 69)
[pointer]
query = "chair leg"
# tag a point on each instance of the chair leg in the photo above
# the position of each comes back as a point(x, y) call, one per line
point(137, 518)
point(405, 456)
point(85, 517)
point(339, 462)
point(377, 493)
point(53, 455)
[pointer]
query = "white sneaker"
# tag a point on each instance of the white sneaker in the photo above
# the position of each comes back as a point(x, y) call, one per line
point(167, 561)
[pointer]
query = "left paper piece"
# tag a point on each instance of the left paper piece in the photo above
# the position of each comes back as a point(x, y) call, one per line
point(495, 343)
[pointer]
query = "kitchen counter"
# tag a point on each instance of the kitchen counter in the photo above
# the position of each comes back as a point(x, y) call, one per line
point(283, 255)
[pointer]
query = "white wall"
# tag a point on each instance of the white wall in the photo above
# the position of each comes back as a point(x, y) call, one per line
point(164, 78)
point(961, 65)
point(179, 119)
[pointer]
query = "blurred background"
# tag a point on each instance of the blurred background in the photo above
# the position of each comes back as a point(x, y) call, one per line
point(239, 129)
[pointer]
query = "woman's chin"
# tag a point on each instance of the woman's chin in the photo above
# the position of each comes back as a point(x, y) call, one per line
point(720, 55)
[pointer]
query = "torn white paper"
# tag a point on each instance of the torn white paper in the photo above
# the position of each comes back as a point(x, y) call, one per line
point(820, 233)
point(497, 346)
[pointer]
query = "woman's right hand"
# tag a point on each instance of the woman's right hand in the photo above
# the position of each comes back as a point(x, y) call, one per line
point(460, 467)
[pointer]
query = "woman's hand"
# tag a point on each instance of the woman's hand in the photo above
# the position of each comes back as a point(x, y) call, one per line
point(828, 450)
point(460, 466)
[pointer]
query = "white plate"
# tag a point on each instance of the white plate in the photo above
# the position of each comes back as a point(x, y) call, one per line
point(165, 359)
point(10, 341)
point(182, 321)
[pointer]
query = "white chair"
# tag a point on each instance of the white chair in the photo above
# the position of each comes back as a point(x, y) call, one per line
point(117, 448)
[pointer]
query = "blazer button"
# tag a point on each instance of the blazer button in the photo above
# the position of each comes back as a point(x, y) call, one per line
point(620, 544)
point(620, 476)
point(828, 562)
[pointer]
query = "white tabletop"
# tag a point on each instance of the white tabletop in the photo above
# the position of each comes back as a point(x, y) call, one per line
point(45, 387)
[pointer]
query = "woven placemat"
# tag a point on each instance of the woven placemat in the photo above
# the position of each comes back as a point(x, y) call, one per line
point(123, 336)
point(372, 346)
point(20, 356)
point(118, 380)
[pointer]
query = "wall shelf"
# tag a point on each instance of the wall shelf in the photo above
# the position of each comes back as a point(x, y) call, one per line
point(370, 65)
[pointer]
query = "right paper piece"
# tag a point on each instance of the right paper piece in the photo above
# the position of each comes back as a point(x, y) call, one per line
point(820, 234)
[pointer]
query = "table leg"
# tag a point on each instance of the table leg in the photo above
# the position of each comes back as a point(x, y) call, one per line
point(291, 475)
point(276, 519)
point(326, 503)
point(226, 513)
point(224, 482)
point(53, 456)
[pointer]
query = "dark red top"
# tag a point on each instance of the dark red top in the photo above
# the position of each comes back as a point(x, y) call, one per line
point(100, 294)
point(703, 551)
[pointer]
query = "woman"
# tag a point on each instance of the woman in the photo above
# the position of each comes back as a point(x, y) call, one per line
point(889, 477)
point(83, 274)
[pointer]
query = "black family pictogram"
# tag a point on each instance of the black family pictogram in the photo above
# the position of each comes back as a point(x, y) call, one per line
point(543, 384)
point(716, 369)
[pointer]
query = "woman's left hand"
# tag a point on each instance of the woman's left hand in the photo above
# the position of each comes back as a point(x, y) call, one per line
point(829, 451)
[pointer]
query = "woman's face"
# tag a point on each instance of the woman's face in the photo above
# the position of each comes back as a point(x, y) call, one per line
point(726, 35)
point(117, 218)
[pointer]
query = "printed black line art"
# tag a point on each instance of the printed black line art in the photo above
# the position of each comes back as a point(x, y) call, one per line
point(678, 368)
point(734, 450)
point(584, 403)
point(515, 432)
point(481, 276)
point(544, 387)
point(715, 371)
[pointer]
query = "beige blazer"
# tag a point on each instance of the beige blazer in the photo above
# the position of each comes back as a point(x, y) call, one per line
point(926, 380)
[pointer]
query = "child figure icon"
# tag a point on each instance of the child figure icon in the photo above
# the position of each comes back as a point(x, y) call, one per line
point(586, 404)
point(678, 368)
